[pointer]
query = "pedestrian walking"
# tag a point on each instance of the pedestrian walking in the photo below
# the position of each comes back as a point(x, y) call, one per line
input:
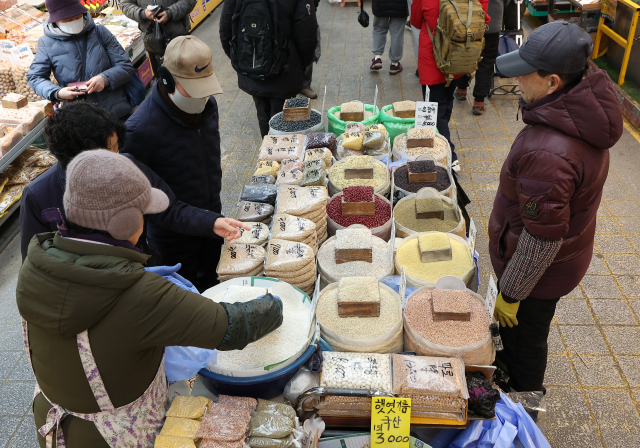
point(389, 17)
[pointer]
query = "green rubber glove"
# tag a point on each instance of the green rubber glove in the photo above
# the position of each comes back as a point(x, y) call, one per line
point(505, 312)
point(250, 321)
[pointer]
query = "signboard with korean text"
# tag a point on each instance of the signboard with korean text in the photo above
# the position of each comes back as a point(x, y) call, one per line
point(426, 115)
point(390, 422)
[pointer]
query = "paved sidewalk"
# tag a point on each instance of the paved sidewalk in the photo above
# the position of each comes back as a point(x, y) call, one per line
point(594, 406)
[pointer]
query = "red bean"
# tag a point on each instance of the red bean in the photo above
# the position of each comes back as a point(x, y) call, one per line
point(357, 194)
point(382, 214)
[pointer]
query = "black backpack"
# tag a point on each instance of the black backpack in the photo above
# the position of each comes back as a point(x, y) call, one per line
point(258, 47)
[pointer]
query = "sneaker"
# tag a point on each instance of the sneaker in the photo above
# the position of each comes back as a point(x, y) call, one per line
point(396, 68)
point(309, 93)
point(455, 166)
point(376, 63)
point(460, 94)
point(408, 24)
point(478, 107)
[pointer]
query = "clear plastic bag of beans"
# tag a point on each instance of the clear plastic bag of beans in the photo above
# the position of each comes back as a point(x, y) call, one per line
point(265, 193)
point(209, 443)
point(378, 127)
point(322, 140)
point(270, 167)
point(283, 140)
point(258, 234)
point(244, 402)
point(270, 425)
point(266, 442)
point(280, 153)
point(323, 154)
point(173, 442)
point(315, 165)
point(314, 177)
point(271, 407)
point(222, 429)
point(262, 179)
point(352, 140)
point(180, 427)
point(292, 228)
point(291, 164)
point(282, 254)
point(372, 139)
point(355, 127)
point(289, 177)
point(188, 407)
point(424, 375)
point(299, 201)
point(240, 258)
point(381, 150)
point(227, 410)
point(253, 211)
point(344, 370)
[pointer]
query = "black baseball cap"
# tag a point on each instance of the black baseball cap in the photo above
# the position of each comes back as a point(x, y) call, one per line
point(557, 47)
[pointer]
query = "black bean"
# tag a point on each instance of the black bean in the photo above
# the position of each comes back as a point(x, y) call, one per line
point(278, 123)
point(297, 102)
point(422, 166)
point(401, 178)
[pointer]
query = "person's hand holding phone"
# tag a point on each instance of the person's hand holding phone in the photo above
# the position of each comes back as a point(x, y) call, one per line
point(69, 93)
point(96, 84)
point(162, 17)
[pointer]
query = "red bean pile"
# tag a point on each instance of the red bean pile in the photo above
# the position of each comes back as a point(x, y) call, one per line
point(357, 194)
point(382, 214)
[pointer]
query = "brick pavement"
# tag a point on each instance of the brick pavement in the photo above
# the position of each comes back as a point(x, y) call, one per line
point(595, 406)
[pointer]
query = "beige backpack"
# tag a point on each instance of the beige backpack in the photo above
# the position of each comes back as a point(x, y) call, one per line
point(459, 37)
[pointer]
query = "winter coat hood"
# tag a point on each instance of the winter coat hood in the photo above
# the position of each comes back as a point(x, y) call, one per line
point(101, 272)
point(593, 100)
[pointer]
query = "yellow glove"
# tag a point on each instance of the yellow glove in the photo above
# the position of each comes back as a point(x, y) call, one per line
point(505, 312)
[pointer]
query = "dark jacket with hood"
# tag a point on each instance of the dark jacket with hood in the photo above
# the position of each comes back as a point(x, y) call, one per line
point(63, 54)
point(390, 8)
point(67, 286)
point(297, 20)
point(48, 189)
point(187, 158)
point(552, 180)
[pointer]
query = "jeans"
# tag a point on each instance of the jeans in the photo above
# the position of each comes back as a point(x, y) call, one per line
point(443, 95)
point(525, 345)
point(395, 27)
point(266, 108)
point(485, 68)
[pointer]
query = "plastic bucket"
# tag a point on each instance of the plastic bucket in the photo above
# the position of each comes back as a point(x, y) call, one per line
point(403, 232)
point(395, 126)
point(383, 231)
point(317, 128)
point(337, 126)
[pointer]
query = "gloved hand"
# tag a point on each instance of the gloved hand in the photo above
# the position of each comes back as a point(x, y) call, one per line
point(505, 312)
point(250, 321)
point(170, 272)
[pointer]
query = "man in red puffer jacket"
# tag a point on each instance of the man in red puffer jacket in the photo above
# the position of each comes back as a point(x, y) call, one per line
point(430, 75)
point(543, 221)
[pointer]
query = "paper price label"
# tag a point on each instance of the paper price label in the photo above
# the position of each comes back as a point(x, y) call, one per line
point(426, 114)
point(473, 233)
point(390, 422)
point(492, 295)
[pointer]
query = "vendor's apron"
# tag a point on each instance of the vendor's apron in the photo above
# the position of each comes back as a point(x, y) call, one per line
point(133, 425)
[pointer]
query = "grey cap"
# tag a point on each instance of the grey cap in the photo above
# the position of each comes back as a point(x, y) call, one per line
point(557, 47)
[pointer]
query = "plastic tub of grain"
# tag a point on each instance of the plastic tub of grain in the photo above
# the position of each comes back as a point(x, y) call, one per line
point(379, 224)
point(337, 126)
point(470, 340)
point(382, 334)
point(461, 264)
point(406, 223)
point(277, 125)
point(441, 150)
point(380, 181)
point(444, 183)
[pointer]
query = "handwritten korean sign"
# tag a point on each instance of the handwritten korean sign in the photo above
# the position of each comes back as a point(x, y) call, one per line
point(426, 114)
point(390, 422)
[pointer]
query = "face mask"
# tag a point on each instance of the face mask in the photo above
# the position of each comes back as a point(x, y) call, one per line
point(73, 27)
point(188, 105)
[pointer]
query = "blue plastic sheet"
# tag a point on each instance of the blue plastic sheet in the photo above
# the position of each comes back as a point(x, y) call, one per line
point(182, 363)
point(512, 428)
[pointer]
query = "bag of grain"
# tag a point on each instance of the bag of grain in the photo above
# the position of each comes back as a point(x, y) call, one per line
point(404, 216)
point(338, 126)
point(22, 57)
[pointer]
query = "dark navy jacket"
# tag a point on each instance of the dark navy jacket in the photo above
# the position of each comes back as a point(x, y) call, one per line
point(186, 158)
point(47, 191)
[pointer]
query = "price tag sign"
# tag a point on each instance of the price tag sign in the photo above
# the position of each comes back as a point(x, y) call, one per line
point(390, 422)
point(426, 114)
point(473, 233)
point(492, 295)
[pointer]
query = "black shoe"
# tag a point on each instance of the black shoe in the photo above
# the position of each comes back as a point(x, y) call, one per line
point(417, 74)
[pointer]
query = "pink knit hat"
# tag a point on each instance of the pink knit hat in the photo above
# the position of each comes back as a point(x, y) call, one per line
point(107, 191)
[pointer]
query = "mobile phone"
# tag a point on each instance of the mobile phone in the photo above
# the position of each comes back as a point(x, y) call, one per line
point(78, 86)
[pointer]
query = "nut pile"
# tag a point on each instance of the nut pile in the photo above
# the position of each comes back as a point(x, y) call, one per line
point(258, 234)
point(408, 255)
point(382, 214)
point(6, 79)
point(291, 262)
point(343, 370)
point(254, 212)
point(240, 260)
point(405, 214)
point(299, 101)
point(380, 266)
point(380, 176)
point(357, 194)
point(450, 333)
point(401, 179)
point(358, 327)
point(278, 123)
point(19, 73)
point(306, 202)
point(294, 228)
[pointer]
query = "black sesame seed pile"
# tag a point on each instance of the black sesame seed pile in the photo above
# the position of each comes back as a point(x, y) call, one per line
point(278, 123)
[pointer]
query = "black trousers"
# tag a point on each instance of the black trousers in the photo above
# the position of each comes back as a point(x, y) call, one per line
point(485, 68)
point(266, 108)
point(443, 95)
point(525, 345)
point(199, 257)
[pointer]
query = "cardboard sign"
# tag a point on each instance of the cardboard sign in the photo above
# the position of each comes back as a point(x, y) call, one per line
point(426, 115)
point(473, 233)
point(492, 295)
point(390, 422)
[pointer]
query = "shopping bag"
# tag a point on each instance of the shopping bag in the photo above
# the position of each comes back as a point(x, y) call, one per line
point(154, 41)
point(505, 45)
